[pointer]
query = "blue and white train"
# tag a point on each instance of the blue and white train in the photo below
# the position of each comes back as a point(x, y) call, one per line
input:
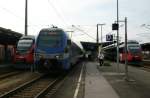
point(54, 50)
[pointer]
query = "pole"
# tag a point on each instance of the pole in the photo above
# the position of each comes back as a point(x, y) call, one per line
point(126, 66)
point(97, 40)
point(26, 17)
point(70, 33)
point(98, 36)
point(117, 38)
point(101, 36)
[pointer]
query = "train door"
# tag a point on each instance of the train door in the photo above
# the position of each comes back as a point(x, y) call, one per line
point(2, 53)
point(10, 53)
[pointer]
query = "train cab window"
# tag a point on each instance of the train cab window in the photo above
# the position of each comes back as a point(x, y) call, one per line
point(50, 39)
point(24, 45)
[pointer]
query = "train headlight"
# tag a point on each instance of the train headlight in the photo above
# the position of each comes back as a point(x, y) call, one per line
point(59, 56)
point(38, 56)
point(17, 52)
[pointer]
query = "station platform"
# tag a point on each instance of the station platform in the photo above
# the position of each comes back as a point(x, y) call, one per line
point(111, 80)
point(96, 86)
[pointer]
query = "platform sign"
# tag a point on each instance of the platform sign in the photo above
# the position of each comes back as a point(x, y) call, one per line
point(109, 37)
point(115, 26)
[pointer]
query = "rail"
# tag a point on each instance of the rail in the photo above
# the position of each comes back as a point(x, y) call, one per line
point(19, 88)
point(9, 75)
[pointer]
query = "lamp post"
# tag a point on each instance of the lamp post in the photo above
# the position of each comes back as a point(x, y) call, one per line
point(118, 37)
point(101, 33)
point(70, 33)
point(26, 17)
point(98, 35)
point(126, 65)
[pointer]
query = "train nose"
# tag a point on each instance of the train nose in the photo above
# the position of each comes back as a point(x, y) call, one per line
point(137, 57)
point(47, 64)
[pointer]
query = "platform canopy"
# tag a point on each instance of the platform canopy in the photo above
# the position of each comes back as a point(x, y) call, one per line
point(93, 46)
point(145, 46)
point(9, 37)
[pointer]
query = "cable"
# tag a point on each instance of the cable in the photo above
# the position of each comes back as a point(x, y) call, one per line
point(83, 32)
point(62, 14)
point(20, 18)
point(57, 13)
point(10, 12)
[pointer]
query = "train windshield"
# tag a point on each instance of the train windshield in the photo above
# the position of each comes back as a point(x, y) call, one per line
point(24, 45)
point(49, 39)
point(134, 49)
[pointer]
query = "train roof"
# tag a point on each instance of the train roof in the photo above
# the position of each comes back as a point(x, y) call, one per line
point(133, 42)
point(52, 29)
point(28, 37)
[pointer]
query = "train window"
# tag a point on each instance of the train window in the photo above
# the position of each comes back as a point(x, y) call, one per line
point(134, 49)
point(24, 44)
point(50, 39)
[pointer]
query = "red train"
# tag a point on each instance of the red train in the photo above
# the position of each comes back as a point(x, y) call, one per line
point(134, 52)
point(25, 51)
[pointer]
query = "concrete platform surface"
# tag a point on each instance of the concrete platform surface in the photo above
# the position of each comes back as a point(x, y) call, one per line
point(96, 85)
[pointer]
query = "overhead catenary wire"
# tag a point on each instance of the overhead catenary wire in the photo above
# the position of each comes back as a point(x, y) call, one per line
point(12, 13)
point(17, 16)
point(60, 9)
point(57, 13)
point(83, 32)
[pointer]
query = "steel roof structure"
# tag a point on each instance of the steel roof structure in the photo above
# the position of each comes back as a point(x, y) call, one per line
point(8, 36)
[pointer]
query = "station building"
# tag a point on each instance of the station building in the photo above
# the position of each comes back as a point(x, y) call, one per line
point(8, 41)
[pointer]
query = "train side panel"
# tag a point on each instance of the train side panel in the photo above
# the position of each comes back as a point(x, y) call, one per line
point(134, 54)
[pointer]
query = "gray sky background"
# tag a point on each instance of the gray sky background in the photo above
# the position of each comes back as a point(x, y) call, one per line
point(84, 14)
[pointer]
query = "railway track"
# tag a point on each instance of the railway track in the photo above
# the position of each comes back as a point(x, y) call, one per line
point(36, 88)
point(146, 67)
point(43, 86)
point(3, 76)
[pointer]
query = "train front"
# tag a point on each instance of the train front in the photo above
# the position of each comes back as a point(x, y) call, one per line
point(24, 54)
point(50, 52)
point(134, 53)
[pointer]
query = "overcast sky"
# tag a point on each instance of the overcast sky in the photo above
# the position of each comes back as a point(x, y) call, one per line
point(83, 14)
